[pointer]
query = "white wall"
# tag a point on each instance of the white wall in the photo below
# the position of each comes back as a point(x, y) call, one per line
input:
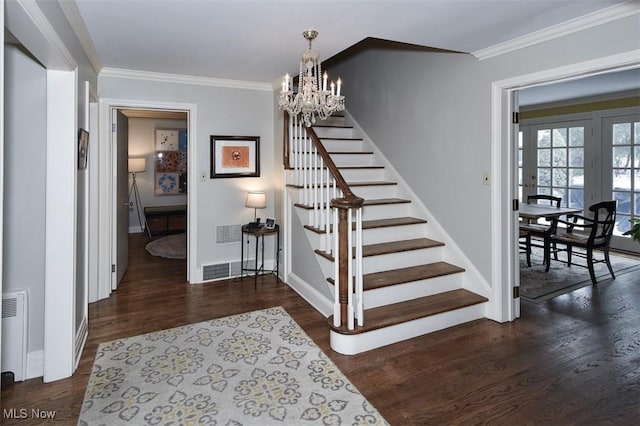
point(220, 111)
point(430, 114)
point(24, 192)
point(142, 144)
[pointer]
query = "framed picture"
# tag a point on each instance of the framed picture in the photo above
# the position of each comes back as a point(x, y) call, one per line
point(83, 146)
point(270, 223)
point(170, 162)
point(167, 139)
point(235, 156)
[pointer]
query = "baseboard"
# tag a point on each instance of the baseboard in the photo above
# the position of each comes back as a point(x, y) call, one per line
point(35, 365)
point(136, 229)
point(321, 303)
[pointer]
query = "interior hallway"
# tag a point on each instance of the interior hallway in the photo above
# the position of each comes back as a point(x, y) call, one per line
point(572, 360)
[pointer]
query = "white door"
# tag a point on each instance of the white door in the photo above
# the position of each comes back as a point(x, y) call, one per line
point(621, 181)
point(122, 196)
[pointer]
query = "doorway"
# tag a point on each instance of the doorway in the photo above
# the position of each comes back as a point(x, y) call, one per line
point(156, 158)
point(505, 253)
point(145, 116)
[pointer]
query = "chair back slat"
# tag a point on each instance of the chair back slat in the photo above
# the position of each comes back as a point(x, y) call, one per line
point(604, 221)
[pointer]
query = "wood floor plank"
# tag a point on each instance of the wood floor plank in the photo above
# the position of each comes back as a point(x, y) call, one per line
point(570, 361)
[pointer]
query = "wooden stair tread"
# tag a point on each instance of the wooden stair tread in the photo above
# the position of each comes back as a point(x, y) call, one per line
point(406, 275)
point(399, 246)
point(398, 313)
point(350, 152)
point(390, 247)
point(372, 183)
point(382, 201)
point(337, 126)
point(410, 274)
point(378, 223)
point(360, 183)
point(375, 202)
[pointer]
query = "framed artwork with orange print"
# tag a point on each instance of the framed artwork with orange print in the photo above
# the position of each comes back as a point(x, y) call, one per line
point(235, 156)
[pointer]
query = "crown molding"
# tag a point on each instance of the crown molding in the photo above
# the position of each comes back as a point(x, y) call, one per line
point(184, 79)
point(590, 20)
point(72, 13)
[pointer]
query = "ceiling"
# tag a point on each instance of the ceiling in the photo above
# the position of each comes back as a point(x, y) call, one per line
point(260, 40)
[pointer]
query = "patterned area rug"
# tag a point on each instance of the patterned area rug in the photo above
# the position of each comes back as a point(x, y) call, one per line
point(539, 286)
point(171, 246)
point(257, 368)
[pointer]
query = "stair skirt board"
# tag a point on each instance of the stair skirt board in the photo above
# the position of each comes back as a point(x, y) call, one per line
point(353, 344)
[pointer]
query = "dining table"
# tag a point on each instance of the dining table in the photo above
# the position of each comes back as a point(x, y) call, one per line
point(533, 212)
point(530, 213)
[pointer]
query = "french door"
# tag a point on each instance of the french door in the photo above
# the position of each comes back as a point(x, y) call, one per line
point(621, 181)
point(553, 159)
point(585, 163)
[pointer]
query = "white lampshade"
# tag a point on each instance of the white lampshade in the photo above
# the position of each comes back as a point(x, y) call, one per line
point(256, 200)
point(137, 165)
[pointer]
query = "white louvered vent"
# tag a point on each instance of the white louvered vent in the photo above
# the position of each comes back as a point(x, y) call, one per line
point(14, 333)
point(228, 234)
point(224, 270)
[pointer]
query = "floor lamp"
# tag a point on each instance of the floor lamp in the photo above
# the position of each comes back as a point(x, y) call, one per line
point(137, 165)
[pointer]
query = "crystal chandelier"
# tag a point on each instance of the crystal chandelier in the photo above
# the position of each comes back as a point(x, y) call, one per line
point(312, 99)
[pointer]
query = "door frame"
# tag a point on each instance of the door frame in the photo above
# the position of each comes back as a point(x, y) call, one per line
point(108, 153)
point(505, 268)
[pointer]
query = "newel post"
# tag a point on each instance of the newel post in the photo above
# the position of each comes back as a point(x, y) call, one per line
point(343, 257)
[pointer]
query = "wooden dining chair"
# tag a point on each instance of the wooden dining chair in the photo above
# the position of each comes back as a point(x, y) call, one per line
point(599, 228)
point(541, 231)
point(525, 245)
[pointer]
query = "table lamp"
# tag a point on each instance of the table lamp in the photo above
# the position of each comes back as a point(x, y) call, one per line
point(256, 200)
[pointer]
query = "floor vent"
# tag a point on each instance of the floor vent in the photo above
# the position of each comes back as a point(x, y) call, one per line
point(224, 270)
point(14, 333)
point(228, 234)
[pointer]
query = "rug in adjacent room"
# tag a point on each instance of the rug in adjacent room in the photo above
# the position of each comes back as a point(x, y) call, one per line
point(257, 368)
point(171, 246)
point(539, 286)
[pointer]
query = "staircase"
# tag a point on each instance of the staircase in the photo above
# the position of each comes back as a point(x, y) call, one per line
point(398, 280)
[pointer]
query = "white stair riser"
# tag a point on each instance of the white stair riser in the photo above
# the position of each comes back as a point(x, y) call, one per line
point(385, 262)
point(333, 121)
point(353, 159)
point(393, 233)
point(309, 160)
point(342, 145)
point(401, 292)
point(363, 175)
point(385, 211)
point(334, 132)
point(358, 343)
point(375, 191)
point(374, 235)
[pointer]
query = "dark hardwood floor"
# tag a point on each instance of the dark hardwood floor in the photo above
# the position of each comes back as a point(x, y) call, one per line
point(574, 360)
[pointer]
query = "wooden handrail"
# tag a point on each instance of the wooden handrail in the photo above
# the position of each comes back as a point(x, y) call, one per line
point(344, 305)
point(349, 200)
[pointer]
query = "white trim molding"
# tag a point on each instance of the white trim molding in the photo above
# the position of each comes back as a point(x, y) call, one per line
point(28, 23)
point(593, 19)
point(71, 11)
point(184, 79)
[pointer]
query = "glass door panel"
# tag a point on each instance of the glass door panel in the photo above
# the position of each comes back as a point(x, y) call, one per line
point(622, 144)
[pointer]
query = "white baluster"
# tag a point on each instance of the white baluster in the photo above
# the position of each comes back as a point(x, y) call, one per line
point(336, 273)
point(350, 310)
point(358, 271)
point(314, 172)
